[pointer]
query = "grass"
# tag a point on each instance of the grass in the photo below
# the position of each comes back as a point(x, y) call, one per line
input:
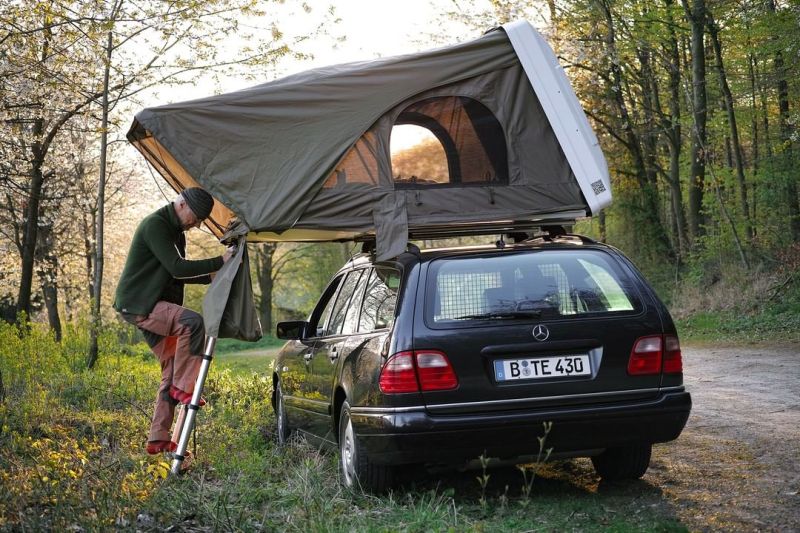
point(243, 358)
point(734, 327)
point(246, 362)
point(72, 458)
point(229, 346)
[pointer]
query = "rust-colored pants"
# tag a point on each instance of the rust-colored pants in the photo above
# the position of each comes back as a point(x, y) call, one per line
point(176, 336)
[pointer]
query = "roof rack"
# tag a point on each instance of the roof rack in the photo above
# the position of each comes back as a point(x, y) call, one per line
point(500, 227)
point(562, 237)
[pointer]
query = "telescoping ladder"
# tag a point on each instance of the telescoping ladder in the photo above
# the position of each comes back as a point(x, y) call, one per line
point(186, 417)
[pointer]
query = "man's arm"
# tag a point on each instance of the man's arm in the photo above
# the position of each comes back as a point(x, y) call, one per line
point(157, 239)
point(208, 278)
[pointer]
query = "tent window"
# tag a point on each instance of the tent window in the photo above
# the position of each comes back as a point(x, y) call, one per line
point(450, 140)
point(359, 166)
point(418, 156)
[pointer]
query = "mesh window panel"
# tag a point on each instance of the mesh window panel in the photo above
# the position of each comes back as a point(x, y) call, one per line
point(462, 293)
point(359, 166)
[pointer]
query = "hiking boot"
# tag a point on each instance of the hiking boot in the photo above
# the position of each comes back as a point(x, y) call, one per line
point(155, 447)
point(183, 397)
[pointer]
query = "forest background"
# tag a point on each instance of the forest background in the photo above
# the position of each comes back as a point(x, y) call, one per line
point(695, 103)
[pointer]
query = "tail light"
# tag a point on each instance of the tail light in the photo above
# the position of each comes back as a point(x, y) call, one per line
point(673, 363)
point(435, 371)
point(425, 370)
point(646, 356)
point(398, 374)
point(654, 353)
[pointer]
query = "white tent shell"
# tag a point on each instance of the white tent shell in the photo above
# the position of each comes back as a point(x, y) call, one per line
point(307, 157)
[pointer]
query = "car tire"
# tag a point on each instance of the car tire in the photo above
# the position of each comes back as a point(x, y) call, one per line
point(283, 430)
point(354, 465)
point(625, 462)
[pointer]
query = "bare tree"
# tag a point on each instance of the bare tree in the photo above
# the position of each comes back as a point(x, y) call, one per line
point(696, 15)
point(736, 145)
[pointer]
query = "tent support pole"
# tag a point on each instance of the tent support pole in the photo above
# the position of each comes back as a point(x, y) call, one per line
point(193, 407)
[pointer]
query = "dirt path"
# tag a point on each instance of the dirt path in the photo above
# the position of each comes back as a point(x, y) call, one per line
point(737, 464)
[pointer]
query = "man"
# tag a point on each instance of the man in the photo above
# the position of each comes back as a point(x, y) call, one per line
point(150, 296)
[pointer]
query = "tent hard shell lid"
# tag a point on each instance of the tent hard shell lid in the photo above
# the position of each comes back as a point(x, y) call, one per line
point(308, 158)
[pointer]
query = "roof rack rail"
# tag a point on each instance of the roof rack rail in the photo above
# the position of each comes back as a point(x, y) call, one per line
point(512, 228)
point(563, 237)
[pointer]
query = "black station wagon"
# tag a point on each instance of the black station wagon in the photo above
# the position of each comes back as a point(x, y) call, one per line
point(442, 356)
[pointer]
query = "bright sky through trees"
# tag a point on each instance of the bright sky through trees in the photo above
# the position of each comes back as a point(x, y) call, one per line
point(358, 30)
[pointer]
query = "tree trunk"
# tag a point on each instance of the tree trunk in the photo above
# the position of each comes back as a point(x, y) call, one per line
point(31, 223)
point(101, 193)
point(29, 241)
point(601, 222)
point(672, 127)
point(785, 127)
point(754, 134)
point(736, 147)
point(48, 277)
point(650, 95)
point(764, 100)
point(649, 190)
point(88, 250)
point(265, 281)
point(696, 16)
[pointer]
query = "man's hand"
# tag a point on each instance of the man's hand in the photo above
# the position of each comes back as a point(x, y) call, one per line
point(228, 253)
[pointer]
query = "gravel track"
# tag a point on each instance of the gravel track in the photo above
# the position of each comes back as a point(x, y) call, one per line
point(737, 464)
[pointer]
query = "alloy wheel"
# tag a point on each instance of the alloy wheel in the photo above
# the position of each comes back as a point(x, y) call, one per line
point(347, 450)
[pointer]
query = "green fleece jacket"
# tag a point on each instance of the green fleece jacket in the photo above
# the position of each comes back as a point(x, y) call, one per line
point(156, 269)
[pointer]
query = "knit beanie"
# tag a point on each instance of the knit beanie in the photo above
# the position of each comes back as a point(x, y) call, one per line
point(200, 202)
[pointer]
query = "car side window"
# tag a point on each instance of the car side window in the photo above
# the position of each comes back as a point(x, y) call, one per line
point(380, 300)
point(342, 302)
point(351, 317)
point(322, 312)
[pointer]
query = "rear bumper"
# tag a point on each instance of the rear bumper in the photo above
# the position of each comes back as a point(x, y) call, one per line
point(414, 436)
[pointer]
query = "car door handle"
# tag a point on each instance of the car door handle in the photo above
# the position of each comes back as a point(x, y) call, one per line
point(333, 355)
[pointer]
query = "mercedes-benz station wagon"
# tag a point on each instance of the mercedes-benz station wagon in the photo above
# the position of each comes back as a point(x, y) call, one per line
point(442, 356)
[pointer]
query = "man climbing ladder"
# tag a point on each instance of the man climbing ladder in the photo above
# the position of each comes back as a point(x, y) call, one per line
point(150, 296)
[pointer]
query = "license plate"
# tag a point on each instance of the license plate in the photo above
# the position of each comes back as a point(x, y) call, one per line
point(542, 367)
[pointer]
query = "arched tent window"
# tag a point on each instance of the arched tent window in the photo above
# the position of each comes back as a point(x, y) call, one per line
point(446, 141)
point(417, 155)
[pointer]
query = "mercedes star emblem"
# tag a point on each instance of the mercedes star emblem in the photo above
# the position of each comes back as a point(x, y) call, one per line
point(540, 332)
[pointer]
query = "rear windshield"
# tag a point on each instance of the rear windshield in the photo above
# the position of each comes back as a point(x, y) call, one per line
point(548, 284)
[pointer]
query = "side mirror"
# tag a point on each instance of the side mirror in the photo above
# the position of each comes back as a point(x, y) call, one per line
point(292, 330)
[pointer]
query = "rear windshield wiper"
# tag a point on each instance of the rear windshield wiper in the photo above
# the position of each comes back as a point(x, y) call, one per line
point(502, 315)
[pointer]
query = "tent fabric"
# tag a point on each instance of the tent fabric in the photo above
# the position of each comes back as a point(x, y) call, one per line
point(309, 157)
point(228, 310)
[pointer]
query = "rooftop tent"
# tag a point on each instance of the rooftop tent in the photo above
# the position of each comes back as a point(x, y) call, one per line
point(318, 156)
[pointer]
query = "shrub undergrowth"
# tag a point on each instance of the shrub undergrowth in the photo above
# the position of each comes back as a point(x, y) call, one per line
point(739, 305)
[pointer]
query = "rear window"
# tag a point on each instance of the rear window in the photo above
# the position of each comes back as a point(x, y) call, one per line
point(549, 283)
